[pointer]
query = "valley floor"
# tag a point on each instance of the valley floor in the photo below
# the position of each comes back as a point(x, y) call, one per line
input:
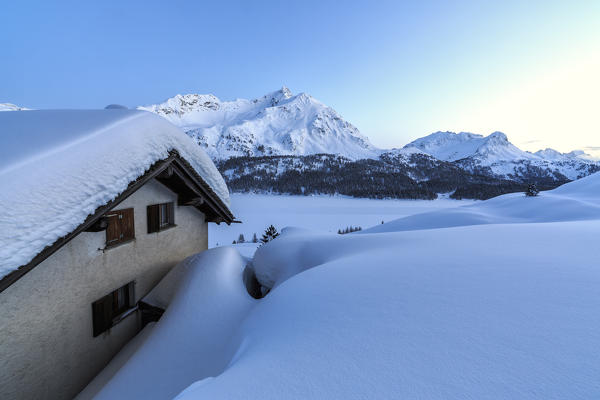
point(319, 213)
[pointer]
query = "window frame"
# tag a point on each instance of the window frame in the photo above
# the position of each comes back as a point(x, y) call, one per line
point(106, 312)
point(156, 214)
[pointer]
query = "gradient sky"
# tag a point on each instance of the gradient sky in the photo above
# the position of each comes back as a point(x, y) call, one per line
point(396, 70)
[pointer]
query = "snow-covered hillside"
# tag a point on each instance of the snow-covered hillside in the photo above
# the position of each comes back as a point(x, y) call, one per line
point(503, 309)
point(496, 152)
point(276, 124)
point(11, 107)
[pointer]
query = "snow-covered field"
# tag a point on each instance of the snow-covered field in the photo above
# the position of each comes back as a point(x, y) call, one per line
point(498, 299)
point(319, 213)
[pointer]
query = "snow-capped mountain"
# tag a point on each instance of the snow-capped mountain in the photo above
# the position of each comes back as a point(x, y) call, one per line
point(278, 123)
point(296, 144)
point(11, 107)
point(450, 146)
point(497, 154)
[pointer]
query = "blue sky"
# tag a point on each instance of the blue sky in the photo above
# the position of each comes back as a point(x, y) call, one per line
point(397, 70)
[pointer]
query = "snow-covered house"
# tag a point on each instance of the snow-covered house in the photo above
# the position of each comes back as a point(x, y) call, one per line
point(96, 206)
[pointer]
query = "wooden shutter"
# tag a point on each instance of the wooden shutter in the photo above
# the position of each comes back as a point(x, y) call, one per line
point(153, 218)
point(102, 314)
point(113, 231)
point(171, 213)
point(121, 226)
point(110, 306)
point(127, 225)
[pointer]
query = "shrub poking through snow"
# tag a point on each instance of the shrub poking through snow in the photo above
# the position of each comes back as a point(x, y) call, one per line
point(532, 190)
point(270, 234)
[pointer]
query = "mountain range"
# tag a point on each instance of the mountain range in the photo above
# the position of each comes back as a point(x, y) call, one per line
point(283, 124)
point(288, 143)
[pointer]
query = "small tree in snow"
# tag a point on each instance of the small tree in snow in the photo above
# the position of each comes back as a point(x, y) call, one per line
point(532, 190)
point(349, 229)
point(241, 238)
point(254, 238)
point(270, 234)
point(233, 242)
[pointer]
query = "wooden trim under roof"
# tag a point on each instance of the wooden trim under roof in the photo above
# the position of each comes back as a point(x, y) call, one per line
point(175, 173)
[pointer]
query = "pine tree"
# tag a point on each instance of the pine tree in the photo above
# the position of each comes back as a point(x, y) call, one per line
point(270, 234)
point(233, 242)
point(241, 238)
point(254, 238)
point(532, 190)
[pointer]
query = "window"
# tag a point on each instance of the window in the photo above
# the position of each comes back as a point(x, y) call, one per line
point(120, 227)
point(160, 216)
point(107, 310)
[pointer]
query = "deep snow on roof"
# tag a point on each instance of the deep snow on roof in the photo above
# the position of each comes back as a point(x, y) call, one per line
point(58, 166)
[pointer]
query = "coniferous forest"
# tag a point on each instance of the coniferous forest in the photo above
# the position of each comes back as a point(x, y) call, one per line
point(415, 177)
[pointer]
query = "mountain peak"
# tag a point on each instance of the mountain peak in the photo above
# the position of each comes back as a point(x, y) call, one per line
point(287, 93)
point(278, 123)
point(450, 146)
point(498, 137)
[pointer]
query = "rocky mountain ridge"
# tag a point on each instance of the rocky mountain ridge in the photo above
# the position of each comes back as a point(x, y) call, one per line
point(278, 123)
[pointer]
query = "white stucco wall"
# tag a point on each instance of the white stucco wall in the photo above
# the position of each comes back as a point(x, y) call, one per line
point(47, 350)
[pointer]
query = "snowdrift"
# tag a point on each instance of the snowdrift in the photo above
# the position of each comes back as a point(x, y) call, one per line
point(487, 311)
point(490, 311)
point(577, 200)
point(192, 340)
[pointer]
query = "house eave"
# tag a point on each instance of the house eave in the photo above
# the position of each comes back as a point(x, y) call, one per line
point(212, 206)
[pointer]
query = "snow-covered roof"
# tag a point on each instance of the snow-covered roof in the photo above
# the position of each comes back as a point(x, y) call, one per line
point(58, 166)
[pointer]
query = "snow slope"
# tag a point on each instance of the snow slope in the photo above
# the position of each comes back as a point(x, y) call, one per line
point(490, 311)
point(276, 124)
point(11, 107)
point(57, 167)
point(192, 339)
point(577, 200)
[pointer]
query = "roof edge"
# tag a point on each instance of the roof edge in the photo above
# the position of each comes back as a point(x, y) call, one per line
point(214, 201)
